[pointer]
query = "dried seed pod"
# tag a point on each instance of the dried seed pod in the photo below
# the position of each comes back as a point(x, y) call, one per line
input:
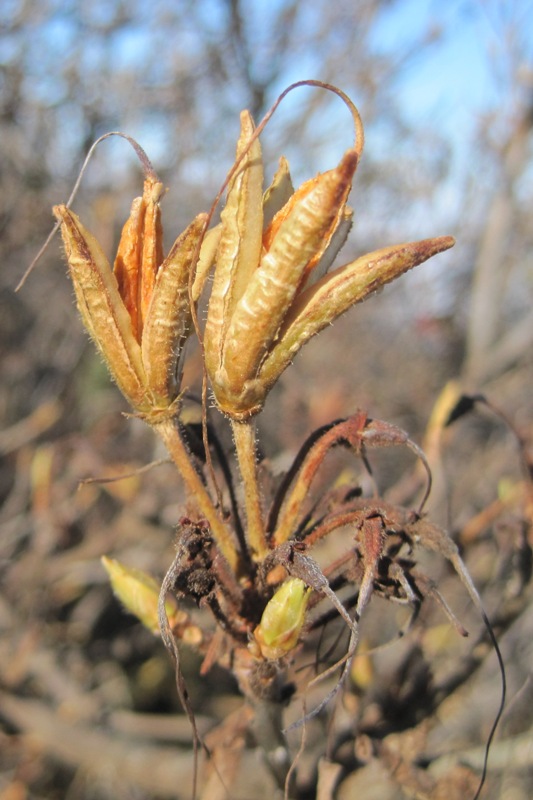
point(320, 304)
point(251, 296)
point(270, 294)
point(139, 315)
point(168, 319)
point(102, 310)
point(301, 231)
point(239, 250)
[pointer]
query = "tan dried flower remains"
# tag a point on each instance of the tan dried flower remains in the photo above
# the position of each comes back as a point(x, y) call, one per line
point(269, 294)
point(138, 313)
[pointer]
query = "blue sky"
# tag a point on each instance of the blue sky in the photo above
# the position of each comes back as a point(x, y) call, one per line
point(449, 87)
point(452, 83)
point(462, 86)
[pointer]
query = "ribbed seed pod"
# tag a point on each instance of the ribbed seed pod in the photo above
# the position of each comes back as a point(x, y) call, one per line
point(271, 290)
point(168, 320)
point(139, 315)
point(102, 309)
point(320, 304)
point(263, 308)
point(293, 244)
point(239, 250)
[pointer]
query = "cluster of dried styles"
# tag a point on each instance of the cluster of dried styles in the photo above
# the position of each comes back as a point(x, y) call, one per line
point(248, 557)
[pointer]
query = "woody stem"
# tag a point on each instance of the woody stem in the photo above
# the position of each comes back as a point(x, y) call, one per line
point(244, 435)
point(169, 432)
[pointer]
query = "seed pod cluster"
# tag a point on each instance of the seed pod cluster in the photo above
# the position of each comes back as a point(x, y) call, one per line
point(270, 294)
point(138, 313)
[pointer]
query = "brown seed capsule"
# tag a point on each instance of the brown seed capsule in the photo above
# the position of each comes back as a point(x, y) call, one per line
point(259, 273)
point(320, 304)
point(270, 294)
point(239, 250)
point(139, 314)
point(102, 309)
point(297, 245)
point(168, 318)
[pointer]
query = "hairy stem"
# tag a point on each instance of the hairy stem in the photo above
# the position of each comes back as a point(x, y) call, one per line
point(169, 432)
point(244, 435)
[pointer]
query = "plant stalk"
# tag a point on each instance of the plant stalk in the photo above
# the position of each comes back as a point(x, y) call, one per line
point(244, 435)
point(169, 432)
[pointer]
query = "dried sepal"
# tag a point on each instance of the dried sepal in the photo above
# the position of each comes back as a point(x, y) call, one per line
point(102, 309)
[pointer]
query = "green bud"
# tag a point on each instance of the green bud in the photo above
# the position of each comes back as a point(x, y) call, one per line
point(136, 590)
point(282, 621)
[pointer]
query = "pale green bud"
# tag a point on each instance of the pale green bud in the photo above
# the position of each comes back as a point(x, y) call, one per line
point(282, 621)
